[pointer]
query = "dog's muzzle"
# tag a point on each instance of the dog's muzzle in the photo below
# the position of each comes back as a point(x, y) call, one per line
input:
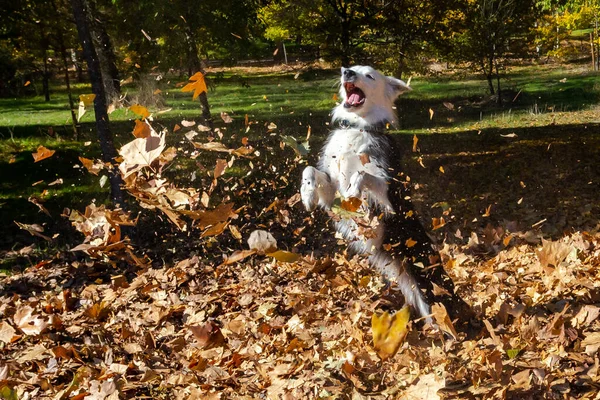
point(354, 96)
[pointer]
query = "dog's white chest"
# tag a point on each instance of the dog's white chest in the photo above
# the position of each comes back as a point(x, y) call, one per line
point(346, 153)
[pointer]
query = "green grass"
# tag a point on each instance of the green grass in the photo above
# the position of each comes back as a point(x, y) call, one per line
point(541, 101)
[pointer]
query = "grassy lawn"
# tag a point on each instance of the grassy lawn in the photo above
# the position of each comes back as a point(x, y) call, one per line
point(548, 127)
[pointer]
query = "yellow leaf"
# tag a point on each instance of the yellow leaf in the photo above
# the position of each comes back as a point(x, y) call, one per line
point(415, 141)
point(87, 99)
point(197, 85)
point(442, 170)
point(42, 153)
point(140, 110)
point(284, 256)
point(335, 97)
point(389, 331)
point(430, 113)
point(27, 83)
point(157, 91)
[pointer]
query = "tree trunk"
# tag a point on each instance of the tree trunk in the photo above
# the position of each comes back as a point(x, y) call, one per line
point(46, 79)
point(63, 52)
point(194, 65)
point(45, 72)
point(102, 123)
point(105, 52)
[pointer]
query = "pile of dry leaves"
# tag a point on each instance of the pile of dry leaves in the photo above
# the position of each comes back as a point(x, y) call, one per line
point(267, 323)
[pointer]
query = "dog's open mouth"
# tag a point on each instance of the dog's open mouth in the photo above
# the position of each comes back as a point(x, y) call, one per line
point(354, 96)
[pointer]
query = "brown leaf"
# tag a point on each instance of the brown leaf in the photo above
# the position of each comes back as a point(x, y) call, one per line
point(220, 168)
point(7, 332)
point(30, 323)
point(443, 320)
point(208, 335)
point(226, 118)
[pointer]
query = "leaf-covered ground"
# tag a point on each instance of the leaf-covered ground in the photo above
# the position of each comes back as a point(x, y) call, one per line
point(184, 315)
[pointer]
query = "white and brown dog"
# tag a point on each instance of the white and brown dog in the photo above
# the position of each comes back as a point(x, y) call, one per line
point(360, 160)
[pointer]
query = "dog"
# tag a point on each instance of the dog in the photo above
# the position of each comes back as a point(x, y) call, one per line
point(360, 160)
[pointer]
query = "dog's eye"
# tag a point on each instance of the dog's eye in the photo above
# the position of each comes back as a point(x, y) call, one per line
point(370, 76)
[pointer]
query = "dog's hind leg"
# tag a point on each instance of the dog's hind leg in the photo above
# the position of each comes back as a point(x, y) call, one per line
point(316, 189)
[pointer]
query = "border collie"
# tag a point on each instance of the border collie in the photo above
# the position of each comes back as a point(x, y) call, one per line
point(359, 160)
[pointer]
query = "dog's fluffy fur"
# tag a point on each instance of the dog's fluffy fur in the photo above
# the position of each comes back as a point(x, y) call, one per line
point(360, 160)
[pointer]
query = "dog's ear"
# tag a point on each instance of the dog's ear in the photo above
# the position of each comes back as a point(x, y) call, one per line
point(397, 86)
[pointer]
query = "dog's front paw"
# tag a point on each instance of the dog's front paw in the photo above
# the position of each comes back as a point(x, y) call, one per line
point(355, 186)
point(308, 190)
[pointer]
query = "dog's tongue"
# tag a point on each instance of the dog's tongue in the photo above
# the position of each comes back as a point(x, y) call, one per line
point(354, 99)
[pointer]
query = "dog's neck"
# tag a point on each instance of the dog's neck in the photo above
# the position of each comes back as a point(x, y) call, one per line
point(378, 128)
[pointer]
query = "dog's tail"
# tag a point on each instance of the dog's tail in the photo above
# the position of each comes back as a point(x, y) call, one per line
point(394, 270)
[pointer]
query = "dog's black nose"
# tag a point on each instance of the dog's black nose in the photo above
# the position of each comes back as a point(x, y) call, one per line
point(349, 74)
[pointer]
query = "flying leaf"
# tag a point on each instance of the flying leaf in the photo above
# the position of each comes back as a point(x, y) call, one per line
point(197, 85)
point(443, 320)
point(140, 110)
point(351, 204)
point(91, 166)
point(300, 149)
point(262, 241)
point(140, 153)
point(389, 331)
point(226, 118)
point(42, 153)
point(141, 130)
point(431, 113)
point(87, 99)
point(438, 223)
point(284, 256)
point(410, 243)
point(415, 141)
point(33, 229)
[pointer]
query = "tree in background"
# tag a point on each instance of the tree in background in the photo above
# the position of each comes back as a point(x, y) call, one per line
point(403, 31)
point(493, 31)
point(568, 19)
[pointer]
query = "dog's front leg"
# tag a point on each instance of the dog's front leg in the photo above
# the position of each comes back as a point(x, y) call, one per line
point(316, 189)
point(377, 188)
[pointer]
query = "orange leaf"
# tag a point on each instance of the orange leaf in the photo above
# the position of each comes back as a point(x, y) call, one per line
point(197, 85)
point(351, 204)
point(42, 153)
point(410, 243)
point(141, 130)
